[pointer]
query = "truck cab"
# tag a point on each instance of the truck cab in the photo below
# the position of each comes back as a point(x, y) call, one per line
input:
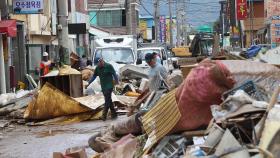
point(119, 55)
point(117, 49)
point(202, 44)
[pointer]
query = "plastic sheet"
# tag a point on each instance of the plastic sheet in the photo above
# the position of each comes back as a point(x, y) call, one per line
point(265, 76)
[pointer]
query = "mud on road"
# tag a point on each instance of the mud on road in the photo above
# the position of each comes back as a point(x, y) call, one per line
point(18, 141)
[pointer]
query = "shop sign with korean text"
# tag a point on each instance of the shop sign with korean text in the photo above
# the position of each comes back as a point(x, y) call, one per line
point(241, 9)
point(28, 6)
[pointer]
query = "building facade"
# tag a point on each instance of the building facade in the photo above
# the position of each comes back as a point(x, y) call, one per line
point(254, 23)
point(119, 17)
point(37, 33)
point(251, 29)
point(272, 15)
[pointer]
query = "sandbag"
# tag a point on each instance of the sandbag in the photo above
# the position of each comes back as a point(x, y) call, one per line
point(125, 147)
point(202, 88)
point(87, 74)
point(101, 142)
point(130, 125)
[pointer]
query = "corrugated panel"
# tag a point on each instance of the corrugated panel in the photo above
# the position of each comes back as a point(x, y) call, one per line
point(161, 119)
point(51, 103)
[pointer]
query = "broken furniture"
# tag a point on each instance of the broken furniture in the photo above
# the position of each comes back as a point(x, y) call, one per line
point(133, 72)
point(72, 85)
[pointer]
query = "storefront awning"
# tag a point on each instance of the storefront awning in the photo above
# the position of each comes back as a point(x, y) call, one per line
point(8, 27)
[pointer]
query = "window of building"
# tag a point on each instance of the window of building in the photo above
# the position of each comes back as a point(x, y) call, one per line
point(109, 18)
point(137, 17)
point(123, 17)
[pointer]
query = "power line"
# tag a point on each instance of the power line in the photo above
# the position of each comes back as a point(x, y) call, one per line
point(98, 10)
point(145, 8)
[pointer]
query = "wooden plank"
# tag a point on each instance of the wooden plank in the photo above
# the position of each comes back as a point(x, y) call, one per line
point(76, 86)
point(190, 134)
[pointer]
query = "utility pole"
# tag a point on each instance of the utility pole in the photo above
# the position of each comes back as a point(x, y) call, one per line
point(241, 34)
point(2, 65)
point(184, 11)
point(223, 30)
point(156, 19)
point(62, 31)
point(170, 24)
point(178, 21)
point(179, 16)
point(252, 21)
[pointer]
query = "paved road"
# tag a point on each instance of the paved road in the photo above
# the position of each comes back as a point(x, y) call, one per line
point(42, 141)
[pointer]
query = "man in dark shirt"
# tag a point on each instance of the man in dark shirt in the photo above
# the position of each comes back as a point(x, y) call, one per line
point(107, 75)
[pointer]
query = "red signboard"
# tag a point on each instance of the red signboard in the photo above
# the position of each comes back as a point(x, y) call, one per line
point(9, 27)
point(241, 9)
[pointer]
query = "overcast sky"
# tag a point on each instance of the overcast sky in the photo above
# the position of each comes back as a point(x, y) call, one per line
point(199, 12)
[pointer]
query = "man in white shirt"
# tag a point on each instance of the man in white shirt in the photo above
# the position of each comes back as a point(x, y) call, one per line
point(157, 73)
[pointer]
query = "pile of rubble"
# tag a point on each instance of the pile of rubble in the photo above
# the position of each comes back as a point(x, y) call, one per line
point(62, 97)
point(261, 53)
point(222, 109)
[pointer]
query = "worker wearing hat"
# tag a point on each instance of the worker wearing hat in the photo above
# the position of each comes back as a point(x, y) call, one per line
point(157, 73)
point(107, 75)
point(45, 64)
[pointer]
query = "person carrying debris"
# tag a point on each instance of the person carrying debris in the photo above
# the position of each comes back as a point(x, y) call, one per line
point(45, 64)
point(106, 73)
point(157, 73)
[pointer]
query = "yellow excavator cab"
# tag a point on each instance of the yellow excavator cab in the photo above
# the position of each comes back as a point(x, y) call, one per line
point(182, 52)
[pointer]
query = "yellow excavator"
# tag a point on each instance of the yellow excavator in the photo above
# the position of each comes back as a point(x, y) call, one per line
point(183, 51)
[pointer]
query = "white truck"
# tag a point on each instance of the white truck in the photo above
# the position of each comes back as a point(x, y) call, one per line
point(120, 49)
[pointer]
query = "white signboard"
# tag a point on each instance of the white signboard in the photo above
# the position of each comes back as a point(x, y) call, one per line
point(28, 6)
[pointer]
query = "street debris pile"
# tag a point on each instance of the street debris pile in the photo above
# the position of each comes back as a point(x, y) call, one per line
point(13, 105)
point(63, 97)
point(262, 53)
point(221, 109)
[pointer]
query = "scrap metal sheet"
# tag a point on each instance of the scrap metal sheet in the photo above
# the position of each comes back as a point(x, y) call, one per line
point(94, 101)
point(126, 100)
point(161, 119)
point(51, 103)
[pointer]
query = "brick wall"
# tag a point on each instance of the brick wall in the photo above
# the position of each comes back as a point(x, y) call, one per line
point(272, 7)
point(132, 20)
point(80, 6)
point(258, 9)
point(258, 23)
